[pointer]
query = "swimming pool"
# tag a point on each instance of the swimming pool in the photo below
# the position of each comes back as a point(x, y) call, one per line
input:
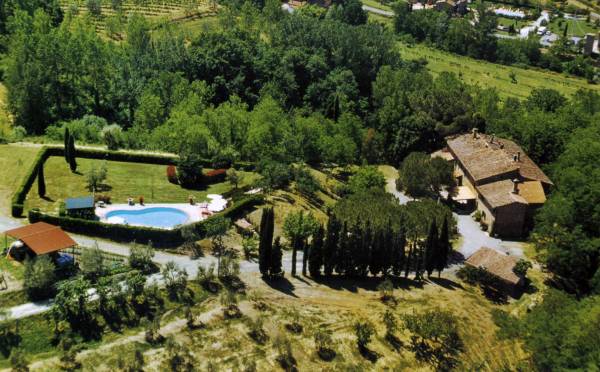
point(160, 217)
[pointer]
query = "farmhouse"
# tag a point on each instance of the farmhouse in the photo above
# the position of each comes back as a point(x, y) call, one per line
point(500, 266)
point(497, 178)
point(37, 239)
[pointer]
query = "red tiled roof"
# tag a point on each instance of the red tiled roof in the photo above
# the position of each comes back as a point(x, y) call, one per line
point(42, 238)
point(496, 263)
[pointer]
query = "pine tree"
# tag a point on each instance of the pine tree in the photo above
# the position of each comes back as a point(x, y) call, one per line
point(67, 139)
point(72, 154)
point(445, 248)
point(265, 242)
point(431, 248)
point(276, 268)
point(41, 181)
point(316, 253)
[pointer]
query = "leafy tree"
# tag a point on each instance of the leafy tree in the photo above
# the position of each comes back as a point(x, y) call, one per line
point(140, 258)
point(41, 181)
point(274, 175)
point(521, 267)
point(39, 277)
point(545, 99)
point(233, 177)
point(175, 279)
point(96, 177)
point(72, 305)
point(349, 11)
point(216, 229)
point(305, 182)
point(420, 175)
point(92, 263)
point(366, 178)
point(435, 338)
point(364, 331)
point(94, 7)
point(189, 170)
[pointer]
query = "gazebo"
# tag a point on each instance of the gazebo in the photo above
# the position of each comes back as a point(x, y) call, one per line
point(37, 239)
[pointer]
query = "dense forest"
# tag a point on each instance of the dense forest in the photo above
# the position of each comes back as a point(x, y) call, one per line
point(278, 88)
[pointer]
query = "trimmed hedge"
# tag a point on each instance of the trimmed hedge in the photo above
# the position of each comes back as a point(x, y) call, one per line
point(140, 234)
point(18, 199)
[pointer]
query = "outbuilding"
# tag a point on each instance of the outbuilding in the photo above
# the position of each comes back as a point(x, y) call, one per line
point(37, 239)
point(83, 207)
point(501, 267)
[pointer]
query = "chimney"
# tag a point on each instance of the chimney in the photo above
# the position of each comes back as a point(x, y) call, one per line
point(475, 133)
point(515, 189)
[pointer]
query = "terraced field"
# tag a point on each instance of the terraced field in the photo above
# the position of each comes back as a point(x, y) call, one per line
point(172, 10)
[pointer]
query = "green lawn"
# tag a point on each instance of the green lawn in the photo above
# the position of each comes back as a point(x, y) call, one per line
point(14, 163)
point(124, 180)
point(376, 4)
point(503, 21)
point(575, 27)
point(491, 75)
point(15, 269)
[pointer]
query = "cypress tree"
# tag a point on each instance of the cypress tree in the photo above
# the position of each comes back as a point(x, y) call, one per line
point(41, 181)
point(72, 153)
point(365, 251)
point(330, 245)
point(445, 248)
point(276, 268)
point(340, 259)
point(399, 256)
point(265, 242)
point(66, 140)
point(431, 249)
point(408, 260)
point(377, 251)
point(316, 253)
point(418, 258)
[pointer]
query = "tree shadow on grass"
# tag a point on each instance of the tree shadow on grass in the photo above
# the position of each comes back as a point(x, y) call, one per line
point(48, 199)
point(283, 285)
point(368, 354)
point(8, 341)
point(367, 284)
point(446, 283)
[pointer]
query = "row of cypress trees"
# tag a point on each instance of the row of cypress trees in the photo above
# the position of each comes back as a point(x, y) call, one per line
point(269, 251)
point(359, 250)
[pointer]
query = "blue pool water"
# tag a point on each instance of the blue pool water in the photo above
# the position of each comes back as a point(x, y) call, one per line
point(160, 217)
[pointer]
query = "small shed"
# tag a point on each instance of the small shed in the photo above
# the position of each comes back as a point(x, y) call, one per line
point(80, 207)
point(501, 267)
point(244, 227)
point(37, 239)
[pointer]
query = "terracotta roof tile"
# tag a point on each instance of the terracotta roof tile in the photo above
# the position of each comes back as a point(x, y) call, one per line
point(496, 263)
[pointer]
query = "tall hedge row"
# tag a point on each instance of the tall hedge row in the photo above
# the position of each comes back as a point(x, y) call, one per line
point(144, 235)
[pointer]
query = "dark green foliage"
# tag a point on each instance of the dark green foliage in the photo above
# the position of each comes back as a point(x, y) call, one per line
point(189, 170)
point(67, 137)
point(265, 245)
point(432, 249)
point(275, 175)
point(41, 181)
point(276, 268)
point(435, 338)
point(421, 175)
point(72, 155)
point(39, 278)
point(331, 244)
point(366, 179)
point(445, 248)
point(315, 260)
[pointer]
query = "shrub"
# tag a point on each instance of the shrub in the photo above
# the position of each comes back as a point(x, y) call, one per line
point(214, 176)
point(305, 182)
point(189, 170)
point(172, 174)
point(324, 344)
point(521, 267)
point(113, 136)
point(96, 176)
point(92, 263)
point(364, 331)
point(257, 332)
point(275, 175)
point(208, 279)
point(175, 280)
point(285, 356)
point(39, 278)
point(140, 258)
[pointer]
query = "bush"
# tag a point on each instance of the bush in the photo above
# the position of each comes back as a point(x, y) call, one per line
point(275, 175)
point(189, 171)
point(364, 331)
point(39, 278)
point(96, 176)
point(140, 258)
point(113, 136)
point(324, 344)
point(92, 263)
point(305, 182)
point(214, 176)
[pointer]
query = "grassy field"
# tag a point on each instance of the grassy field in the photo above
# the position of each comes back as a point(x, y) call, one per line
point(575, 27)
point(503, 21)
point(490, 75)
point(14, 163)
point(377, 4)
point(124, 180)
